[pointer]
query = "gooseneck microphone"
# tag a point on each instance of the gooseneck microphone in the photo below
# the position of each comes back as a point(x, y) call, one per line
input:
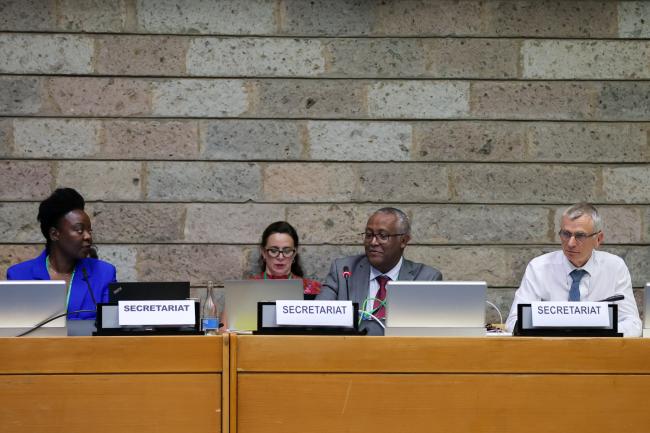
point(613, 298)
point(347, 274)
point(90, 290)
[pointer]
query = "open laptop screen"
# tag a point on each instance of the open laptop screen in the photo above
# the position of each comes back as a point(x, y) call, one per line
point(459, 304)
point(23, 304)
point(242, 297)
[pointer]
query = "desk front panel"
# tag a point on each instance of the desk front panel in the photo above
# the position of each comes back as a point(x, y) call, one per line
point(111, 385)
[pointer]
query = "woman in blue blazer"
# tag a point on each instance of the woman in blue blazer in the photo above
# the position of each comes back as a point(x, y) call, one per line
point(68, 247)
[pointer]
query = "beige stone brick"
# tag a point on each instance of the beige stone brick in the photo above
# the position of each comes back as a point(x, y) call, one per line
point(102, 180)
point(13, 254)
point(499, 266)
point(359, 141)
point(547, 18)
point(481, 224)
point(627, 184)
point(309, 182)
point(524, 183)
point(137, 222)
point(385, 182)
point(251, 139)
point(92, 15)
point(150, 139)
point(27, 15)
point(594, 142)
point(230, 223)
point(201, 98)
point(418, 99)
point(203, 181)
point(18, 223)
point(315, 259)
point(330, 223)
point(45, 54)
point(141, 55)
point(425, 18)
point(25, 180)
point(621, 225)
point(229, 17)
point(6, 137)
point(376, 58)
point(633, 19)
point(469, 141)
point(310, 98)
point(194, 263)
point(20, 95)
point(472, 58)
point(250, 57)
point(637, 259)
point(502, 298)
point(558, 59)
point(534, 100)
point(123, 257)
point(332, 18)
point(645, 228)
point(85, 96)
point(624, 101)
point(56, 138)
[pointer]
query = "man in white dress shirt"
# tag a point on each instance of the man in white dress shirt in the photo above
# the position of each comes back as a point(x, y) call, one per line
point(579, 272)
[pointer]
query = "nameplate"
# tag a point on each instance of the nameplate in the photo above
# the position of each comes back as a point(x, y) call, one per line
point(142, 313)
point(315, 313)
point(570, 314)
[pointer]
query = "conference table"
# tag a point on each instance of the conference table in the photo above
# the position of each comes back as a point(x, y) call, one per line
point(252, 383)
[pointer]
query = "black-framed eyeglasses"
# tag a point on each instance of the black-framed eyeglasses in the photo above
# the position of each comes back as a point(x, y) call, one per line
point(580, 237)
point(286, 252)
point(381, 236)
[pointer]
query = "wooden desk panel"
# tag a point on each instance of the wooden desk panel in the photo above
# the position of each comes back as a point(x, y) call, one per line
point(437, 355)
point(449, 403)
point(453, 385)
point(109, 403)
point(112, 384)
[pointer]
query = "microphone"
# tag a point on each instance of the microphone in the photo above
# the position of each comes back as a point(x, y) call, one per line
point(90, 290)
point(49, 319)
point(92, 252)
point(613, 298)
point(347, 274)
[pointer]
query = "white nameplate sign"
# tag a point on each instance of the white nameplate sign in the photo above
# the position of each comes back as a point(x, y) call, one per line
point(570, 314)
point(142, 313)
point(314, 313)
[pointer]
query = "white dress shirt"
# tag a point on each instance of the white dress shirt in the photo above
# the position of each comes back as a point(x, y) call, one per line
point(547, 279)
point(373, 285)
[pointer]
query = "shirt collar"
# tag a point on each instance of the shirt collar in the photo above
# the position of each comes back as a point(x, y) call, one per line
point(393, 274)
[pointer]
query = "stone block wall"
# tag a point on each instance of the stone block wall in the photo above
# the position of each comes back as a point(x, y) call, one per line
point(189, 125)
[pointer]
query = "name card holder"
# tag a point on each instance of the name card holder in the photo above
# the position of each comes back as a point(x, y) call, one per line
point(267, 324)
point(525, 327)
point(108, 323)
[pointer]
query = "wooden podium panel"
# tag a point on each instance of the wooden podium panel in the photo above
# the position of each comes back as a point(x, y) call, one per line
point(396, 384)
point(111, 384)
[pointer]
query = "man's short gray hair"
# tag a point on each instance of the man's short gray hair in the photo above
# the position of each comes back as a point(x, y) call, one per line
point(579, 209)
point(402, 219)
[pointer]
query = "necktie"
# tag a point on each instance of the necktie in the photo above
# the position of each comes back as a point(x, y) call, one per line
point(381, 295)
point(576, 276)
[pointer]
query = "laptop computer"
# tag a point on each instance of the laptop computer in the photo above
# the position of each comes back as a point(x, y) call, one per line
point(646, 311)
point(148, 291)
point(440, 308)
point(242, 297)
point(24, 304)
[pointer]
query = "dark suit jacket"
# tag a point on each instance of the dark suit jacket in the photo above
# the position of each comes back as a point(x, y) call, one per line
point(334, 287)
point(100, 274)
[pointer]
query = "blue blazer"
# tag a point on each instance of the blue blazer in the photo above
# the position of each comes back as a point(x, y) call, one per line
point(100, 274)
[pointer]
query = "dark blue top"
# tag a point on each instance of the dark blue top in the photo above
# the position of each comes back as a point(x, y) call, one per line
point(100, 274)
